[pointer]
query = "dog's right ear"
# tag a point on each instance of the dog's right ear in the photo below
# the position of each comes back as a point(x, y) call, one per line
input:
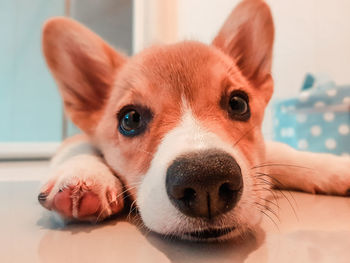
point(247, 36)
point(84, 67)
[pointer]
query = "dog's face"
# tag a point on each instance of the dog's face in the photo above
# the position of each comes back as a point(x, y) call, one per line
point(180, 124)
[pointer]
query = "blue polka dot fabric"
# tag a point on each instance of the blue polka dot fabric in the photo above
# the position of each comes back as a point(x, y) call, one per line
point(318, 120)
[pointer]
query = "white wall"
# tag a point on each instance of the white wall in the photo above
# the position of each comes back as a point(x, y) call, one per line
point(311, 36)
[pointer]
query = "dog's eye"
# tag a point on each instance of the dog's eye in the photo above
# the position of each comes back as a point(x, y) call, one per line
point(132, 121)
point(239, 106)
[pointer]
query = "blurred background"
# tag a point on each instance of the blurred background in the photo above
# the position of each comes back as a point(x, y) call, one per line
point(312, 36)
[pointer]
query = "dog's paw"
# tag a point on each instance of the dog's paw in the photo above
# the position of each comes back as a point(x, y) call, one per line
point(83, 189)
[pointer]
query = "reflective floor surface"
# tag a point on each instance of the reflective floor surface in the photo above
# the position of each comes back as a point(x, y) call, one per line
point(310, 229)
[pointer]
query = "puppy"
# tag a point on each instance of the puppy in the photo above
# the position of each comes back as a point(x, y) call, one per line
point(178, 129)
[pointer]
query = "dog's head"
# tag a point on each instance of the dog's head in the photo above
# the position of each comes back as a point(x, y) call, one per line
point(180, 124)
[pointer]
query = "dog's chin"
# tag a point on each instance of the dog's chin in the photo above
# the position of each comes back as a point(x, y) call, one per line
point(210, 234)
point(206, 235)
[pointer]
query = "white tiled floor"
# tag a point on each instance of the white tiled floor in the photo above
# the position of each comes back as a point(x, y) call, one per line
point(319, 232)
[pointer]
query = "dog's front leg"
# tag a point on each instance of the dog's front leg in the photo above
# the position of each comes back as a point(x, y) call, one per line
point(306, 171)
point(81, 186)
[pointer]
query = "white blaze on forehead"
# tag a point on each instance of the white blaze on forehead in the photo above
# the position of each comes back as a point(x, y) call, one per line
point(190, 135)
point(155, 207)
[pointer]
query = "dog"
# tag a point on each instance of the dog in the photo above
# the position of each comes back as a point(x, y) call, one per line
point(176, 128)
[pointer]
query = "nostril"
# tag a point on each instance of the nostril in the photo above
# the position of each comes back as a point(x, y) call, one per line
point(189, 194)
point(226, 191)
point(183, 194)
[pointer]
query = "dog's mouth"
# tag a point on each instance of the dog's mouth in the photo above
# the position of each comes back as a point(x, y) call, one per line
point(210, 233)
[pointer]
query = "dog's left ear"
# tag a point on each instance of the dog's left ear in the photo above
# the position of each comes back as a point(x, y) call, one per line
point(84, 67)
point(247, 36)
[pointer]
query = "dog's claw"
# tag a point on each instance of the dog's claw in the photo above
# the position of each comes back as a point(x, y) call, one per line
point(42, 197)
point(90, 194)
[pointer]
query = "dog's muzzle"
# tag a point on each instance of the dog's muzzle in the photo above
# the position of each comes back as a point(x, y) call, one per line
point(204, 184)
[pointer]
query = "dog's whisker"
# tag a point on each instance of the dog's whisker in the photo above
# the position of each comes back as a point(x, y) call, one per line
point(270, 176)
point(269, 201)
point(134, 209)
point(125, 191)
point(267, 208)
point(99, 215)
point(263, 183)
point(288, 200)
point(276, 187)
point(131, 209)
point(135, 183)
point(265, 189)
point(272, 220)
point(280, 164)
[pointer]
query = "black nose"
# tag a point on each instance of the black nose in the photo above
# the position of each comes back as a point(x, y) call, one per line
point(204, 184)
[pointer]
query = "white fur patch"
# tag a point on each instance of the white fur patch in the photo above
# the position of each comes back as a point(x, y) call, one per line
point(155, 207)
